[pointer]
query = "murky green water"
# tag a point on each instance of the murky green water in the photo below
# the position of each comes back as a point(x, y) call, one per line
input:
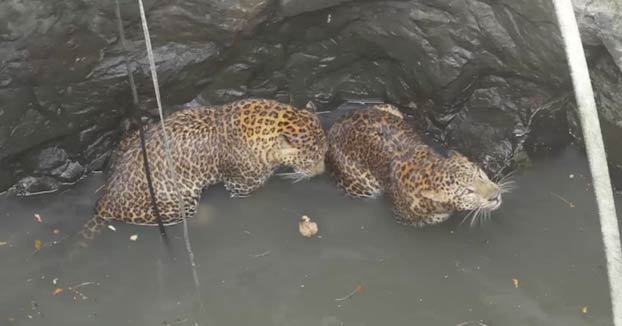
point(255, 268)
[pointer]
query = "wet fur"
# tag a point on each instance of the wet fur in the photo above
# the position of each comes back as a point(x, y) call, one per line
point(239, 144)
point(373, 151)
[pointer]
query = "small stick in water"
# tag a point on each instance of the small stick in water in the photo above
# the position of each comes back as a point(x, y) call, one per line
point(358, 289)
point(571, 204)
point(261, 254)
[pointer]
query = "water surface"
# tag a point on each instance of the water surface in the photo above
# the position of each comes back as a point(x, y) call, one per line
point(539, 261)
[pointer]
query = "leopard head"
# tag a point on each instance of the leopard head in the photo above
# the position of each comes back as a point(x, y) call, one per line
point(302, 146)
point(427, 187)
point(463, 185)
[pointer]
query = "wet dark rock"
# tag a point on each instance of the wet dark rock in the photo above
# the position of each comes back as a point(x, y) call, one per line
point(471, 73)
point(48, 159)
point(35, 185)
point(607, 83)
point(601, 23)
point(71, 172)
point(98, 164)
point(7, 178)
point(549, 131)
point(62, 69)
point(296, 7)
point(474, 135)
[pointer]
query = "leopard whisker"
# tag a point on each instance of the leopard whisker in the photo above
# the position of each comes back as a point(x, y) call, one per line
point(486, 217)
point(507, 186)
point(475, 216)
point(467, 216)
point(289, 175)
point(302, 177)
point(500, 179)
point(482, 217)
point(294, 176)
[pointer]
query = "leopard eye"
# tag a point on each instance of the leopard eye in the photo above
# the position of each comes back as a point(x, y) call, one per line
point(468, 191)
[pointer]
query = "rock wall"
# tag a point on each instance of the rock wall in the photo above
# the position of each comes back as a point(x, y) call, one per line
point(485, 77)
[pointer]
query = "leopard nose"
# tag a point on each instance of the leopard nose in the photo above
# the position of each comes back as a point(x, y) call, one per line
point(495, 197)
point(317, 169)
point(320, 167)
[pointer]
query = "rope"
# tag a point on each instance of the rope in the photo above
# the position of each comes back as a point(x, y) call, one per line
point(167, 150)
point(139, 121)
point(595, 151)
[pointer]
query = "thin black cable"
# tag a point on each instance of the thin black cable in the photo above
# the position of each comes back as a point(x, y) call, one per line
point(137, 118)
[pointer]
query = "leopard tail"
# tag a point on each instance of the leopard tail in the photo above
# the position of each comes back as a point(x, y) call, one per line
point(92, 228)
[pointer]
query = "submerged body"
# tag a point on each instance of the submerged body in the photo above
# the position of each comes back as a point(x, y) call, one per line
point(239, 144)
point(374, 151)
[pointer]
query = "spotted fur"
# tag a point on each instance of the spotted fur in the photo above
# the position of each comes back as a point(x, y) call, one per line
point(239, 144)
point(374, 151)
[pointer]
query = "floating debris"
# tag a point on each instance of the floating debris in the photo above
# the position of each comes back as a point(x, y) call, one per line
point(265, 253)
point(38, 245)
point(358, 289)
point(307, 227)
point(177, 321)
point(111, 227)
point(134, 237)
point(584, 310)
point(3, 243)
point(78, 294)
point(515, 282)
point(57, 291)
point(571, 204)
point(38, 218)
point(472, 323)
point(56, 231)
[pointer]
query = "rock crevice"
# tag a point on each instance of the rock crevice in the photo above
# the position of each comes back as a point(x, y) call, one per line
point(472, 72)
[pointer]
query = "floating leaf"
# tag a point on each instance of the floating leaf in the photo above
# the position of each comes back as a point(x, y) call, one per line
point(38, 245)
point(306, 227)
point(57, 291)
point(134, 237)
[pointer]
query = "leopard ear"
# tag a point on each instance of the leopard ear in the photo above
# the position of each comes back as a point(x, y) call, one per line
point(457, 156)
point(311, 107)
point(452, 153)
point(434, 195)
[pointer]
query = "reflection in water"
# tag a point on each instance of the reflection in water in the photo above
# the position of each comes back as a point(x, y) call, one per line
point(538, 261)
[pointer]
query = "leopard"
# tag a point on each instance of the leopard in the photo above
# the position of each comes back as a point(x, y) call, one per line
point(239, 144)
point(374, 151)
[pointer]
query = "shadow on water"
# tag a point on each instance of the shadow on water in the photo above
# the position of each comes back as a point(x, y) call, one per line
point(256, 269)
